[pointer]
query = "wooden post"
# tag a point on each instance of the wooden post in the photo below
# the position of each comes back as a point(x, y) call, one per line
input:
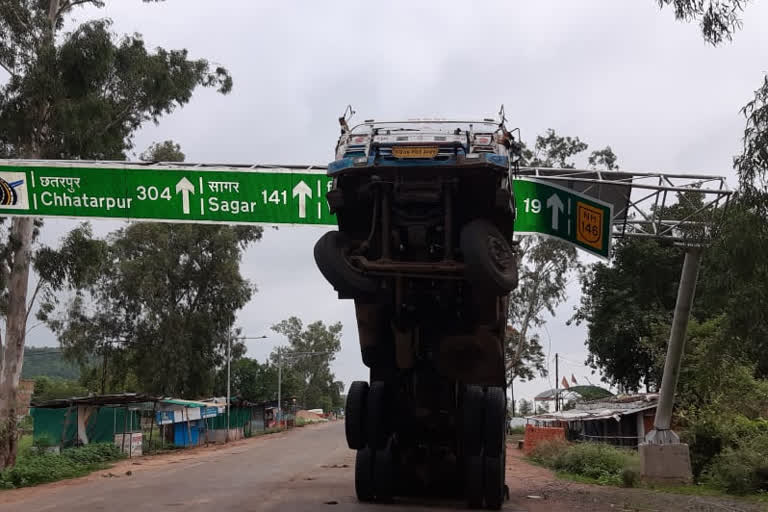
point(189, 429)
point(152, 426)
point(66, 424)
point(125, 425)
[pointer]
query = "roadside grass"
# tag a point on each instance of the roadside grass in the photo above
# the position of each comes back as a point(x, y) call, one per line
point(703, 489)
point(601, 464)
point(37, 468)
point(300, 422)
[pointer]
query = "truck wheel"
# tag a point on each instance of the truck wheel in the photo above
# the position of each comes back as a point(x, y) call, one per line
point(473, 421)
point(355, 412)
point(364, 475)
point(331, 258)
point(493, 484)
point(491, 264)
point(495, 419)
point(384, 474)
point(377, 419)
point(473, 481)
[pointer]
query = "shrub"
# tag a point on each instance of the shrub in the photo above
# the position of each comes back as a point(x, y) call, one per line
point(72, 462)
point(594, 460)
point(604, 463)
point(630, 476)
point(710, 434)
point(741, 470)
point(97, 453)
point(548, 452)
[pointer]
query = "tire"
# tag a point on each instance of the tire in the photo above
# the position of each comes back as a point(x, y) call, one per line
point(473, 481)
point(493, 482)
point(472, 423)
point(384, 474)
point(364, 475)
point(377, 419)
point(331, 259)
point(490, 261)
point(495, 420)
point(355, 413)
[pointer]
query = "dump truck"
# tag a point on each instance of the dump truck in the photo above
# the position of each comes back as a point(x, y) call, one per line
point(425, 249)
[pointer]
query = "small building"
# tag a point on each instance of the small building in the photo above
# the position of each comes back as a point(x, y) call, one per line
point(622, 420)
point(112, 418)
point(183, 422)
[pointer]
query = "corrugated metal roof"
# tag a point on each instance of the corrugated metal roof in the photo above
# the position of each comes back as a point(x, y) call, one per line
point(185, 403)
point(102, 400)
point(600, 410)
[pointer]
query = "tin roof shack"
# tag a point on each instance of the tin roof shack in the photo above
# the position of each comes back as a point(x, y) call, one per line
point(246, 418)
point(113, 418)
point(572, 394)
point(621, 420)
point(183, 422)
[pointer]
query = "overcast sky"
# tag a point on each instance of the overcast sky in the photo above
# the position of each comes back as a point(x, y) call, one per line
point(618, 73)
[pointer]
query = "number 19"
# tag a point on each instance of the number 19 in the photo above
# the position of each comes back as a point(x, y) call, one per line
point(532, 205)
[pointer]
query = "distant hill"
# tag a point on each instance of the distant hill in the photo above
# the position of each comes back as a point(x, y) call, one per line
point(47, 361)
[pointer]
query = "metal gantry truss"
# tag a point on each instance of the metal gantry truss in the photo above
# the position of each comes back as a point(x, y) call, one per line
point(642, 201)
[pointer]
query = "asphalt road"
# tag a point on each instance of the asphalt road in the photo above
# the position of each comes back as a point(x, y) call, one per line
point(297, 470)
point(309, 469)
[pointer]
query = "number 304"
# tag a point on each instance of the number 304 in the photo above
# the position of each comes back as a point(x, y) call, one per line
point(152, 193)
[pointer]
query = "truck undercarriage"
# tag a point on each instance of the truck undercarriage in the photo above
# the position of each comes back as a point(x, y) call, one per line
point(425, 251)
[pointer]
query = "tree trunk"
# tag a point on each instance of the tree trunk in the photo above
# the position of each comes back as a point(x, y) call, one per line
point(18, 282)
point(16, 326)
point(512, 392)
point(529, 315)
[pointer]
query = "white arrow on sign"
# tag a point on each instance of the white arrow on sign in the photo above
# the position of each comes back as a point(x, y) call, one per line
point(303, 191)
point(185, 187)
point(556, 204)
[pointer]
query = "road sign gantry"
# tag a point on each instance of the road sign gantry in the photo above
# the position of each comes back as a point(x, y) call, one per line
point(583, 207)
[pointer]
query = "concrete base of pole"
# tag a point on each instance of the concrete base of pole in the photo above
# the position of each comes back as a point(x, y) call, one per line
point(665, 463)
point(662, 436)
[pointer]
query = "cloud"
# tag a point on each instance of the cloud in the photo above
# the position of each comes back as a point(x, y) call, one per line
point(618, 73)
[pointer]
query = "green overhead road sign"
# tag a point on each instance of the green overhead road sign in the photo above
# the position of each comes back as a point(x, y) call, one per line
point(554, 211)
point(248, 195)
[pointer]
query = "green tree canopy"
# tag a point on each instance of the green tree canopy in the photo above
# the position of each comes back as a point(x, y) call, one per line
point(159, 304)
point(79, 94)
point(166, 151)
point(308, 357)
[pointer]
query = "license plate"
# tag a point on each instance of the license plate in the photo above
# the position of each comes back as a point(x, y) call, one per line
point(414, 151)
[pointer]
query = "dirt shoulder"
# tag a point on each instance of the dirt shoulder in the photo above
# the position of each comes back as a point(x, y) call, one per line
point(537, 489)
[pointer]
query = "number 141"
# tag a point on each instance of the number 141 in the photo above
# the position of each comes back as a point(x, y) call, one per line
point(275, 197)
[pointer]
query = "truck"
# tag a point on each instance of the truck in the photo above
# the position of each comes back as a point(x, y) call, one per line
point(425, 249)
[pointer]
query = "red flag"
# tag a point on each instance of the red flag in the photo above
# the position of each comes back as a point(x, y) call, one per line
point(565, 383)
point(573, 380)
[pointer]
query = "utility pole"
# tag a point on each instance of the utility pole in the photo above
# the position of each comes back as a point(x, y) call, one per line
point(229, 374)
point(557, 382)
point(229, 358)
point(279, 385)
